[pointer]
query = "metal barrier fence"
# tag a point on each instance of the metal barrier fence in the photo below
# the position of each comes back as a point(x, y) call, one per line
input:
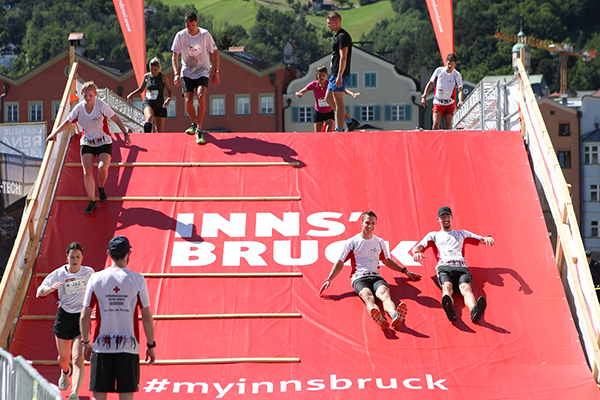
point(20, 381)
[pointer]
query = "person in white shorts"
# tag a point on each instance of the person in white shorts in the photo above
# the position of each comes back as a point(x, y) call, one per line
point(365, 250)
point(69, 282)
point(113, 353)
point(451, 269)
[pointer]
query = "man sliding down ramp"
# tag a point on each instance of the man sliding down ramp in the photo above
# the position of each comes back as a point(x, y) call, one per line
point(451, 269)
point(365, 250)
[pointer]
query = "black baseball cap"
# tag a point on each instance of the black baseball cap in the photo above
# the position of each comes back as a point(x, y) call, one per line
point(444, 210)
point(588, 253)
point(118, 246)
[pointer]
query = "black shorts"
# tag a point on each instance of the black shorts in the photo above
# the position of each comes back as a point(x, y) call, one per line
point(371, 282)
point(188, 84)
point(105, 148)
point(157, 107)
point(110, 368)
point(456, 275)
point(322, 117)
point(66, 325)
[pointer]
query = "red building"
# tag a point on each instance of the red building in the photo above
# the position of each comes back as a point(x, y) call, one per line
point(248, 99)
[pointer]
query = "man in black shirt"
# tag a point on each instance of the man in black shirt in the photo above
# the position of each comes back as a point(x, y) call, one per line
point(340, 71)
point(595, 271)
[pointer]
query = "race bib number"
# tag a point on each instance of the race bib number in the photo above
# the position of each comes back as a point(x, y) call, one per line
point(151, 94)
point(453, 257)
point(75, 285)
point(443, 94)
point(322, 102)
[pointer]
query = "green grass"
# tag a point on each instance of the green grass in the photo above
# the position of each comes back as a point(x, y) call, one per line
point(358, 20)
point(240, 12)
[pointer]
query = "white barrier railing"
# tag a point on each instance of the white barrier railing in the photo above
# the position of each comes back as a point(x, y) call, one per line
point(20, 381)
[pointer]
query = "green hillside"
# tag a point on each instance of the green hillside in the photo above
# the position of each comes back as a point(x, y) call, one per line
point(241, 12)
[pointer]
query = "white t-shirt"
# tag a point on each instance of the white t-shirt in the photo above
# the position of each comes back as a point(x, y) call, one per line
point(116, 293)
point(449, 247)
point(194, 52)
point(446, 82)
point(94, 124)
point(364, 255)
point(70, 294)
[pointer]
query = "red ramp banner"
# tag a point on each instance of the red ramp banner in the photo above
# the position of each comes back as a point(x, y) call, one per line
point(442, 20)
point(131, 18)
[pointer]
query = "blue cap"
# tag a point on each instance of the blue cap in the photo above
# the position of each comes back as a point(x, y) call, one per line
point(118, 246)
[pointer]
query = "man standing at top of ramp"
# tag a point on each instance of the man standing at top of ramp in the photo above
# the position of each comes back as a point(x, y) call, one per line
point(365, 250)
point(341, 57)
point(446, 80)
point(451, 269)
point(199, 62)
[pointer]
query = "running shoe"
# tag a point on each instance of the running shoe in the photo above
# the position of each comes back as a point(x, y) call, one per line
point(91, 208)
point(73, 396)
point(379, 319)
point(63, 381)
point(477, 311)
point(103, 196)
point(200, 137)
point(449, 308)
point(353, 125)
point(399, 315)
point(192, 129)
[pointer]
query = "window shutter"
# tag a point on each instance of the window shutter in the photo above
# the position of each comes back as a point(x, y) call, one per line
point(357, 113)
point(295, 114)
point(377, 113)
point(407, 112)
point(387, 111)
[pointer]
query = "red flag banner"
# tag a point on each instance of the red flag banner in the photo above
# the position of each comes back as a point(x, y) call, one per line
point(131, 18)
point(442, 20)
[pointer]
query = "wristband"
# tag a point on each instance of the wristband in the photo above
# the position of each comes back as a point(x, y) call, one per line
point(151, 346)
point(86, 342)
point(327, 280)
point(404, 271)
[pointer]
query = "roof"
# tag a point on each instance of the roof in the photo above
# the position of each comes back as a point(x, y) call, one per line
point(248, 59)
point(593, 136)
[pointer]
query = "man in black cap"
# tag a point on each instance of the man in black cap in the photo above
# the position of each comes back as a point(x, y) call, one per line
point(595, 271)
point(451, 269)
point(114, 351)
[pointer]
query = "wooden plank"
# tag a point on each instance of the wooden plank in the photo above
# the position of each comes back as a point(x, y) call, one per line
point(166, 198)
point(199, 164)
point(210, 275)
point(197, 361)
point(187, 316)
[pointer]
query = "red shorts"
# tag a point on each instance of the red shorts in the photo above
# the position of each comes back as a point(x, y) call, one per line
point(443, 110)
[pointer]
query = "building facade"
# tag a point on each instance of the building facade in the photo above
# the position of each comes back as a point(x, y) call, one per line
point(388, 100)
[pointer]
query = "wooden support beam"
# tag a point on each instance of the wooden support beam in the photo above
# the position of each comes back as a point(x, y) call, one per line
point(166, 198)
point(187, 316)
point(198, 361)
point(199, 164)
point(210, 275)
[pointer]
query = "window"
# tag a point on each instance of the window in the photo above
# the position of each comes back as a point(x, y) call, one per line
point(352, 80)
point(185, 107)
point(266, 104)
point(594, 193)
point(137, 103)
point(370, 79)
point(12, 112)
point(398, 113)
point(564, 158)
point(564, 129)
point(590, 155)
point(302, 115)
point(242, 104)
point(217, 106)
point(55, 108)
point(367, 113)
point(172, 108)
point(594, 228)
point(35, 111)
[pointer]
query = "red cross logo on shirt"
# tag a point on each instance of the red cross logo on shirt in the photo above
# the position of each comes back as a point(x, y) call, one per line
point(116, 289)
